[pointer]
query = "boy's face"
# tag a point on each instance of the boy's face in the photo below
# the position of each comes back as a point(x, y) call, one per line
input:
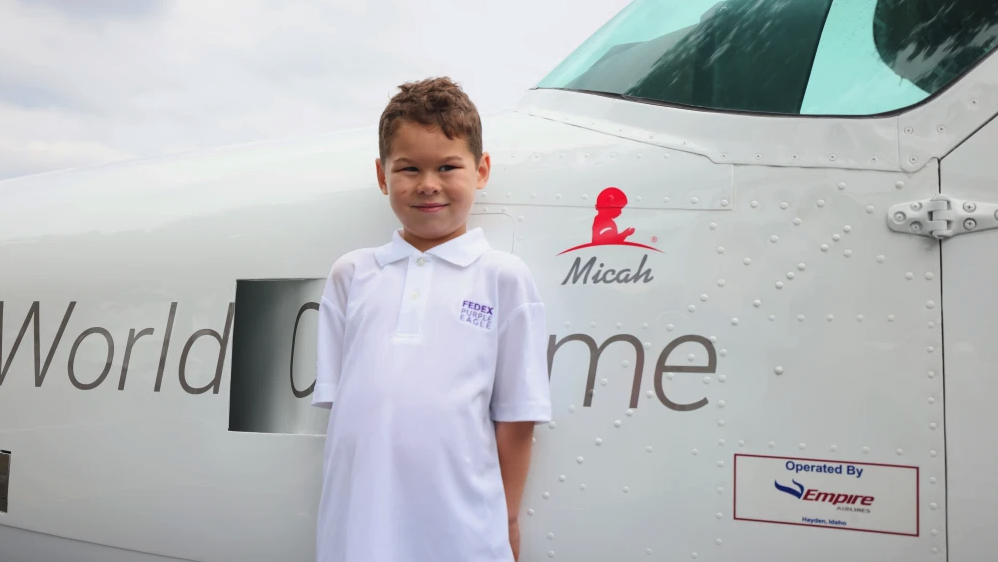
point(431, 183)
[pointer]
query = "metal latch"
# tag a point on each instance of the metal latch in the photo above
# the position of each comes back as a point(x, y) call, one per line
point(4, 479)
point(942, 217)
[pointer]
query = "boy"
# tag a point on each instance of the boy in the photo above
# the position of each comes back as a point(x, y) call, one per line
point(432, 356)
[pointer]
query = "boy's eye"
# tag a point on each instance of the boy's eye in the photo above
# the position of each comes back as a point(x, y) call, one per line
point(447, 168)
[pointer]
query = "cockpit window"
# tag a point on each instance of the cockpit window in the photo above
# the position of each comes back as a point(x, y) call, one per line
point(810, 57)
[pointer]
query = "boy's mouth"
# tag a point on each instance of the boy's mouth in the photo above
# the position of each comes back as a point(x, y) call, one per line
point(430, 207)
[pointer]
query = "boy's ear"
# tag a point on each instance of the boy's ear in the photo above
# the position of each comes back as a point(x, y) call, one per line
point(484, 170)
point(382, 181)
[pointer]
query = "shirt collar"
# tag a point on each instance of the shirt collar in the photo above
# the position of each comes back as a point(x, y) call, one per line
point(461, 251)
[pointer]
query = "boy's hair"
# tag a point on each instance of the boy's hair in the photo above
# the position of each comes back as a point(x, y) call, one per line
point(433, 101)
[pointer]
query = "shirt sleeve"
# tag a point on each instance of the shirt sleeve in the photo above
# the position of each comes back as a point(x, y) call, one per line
point(330, 336)
point(522, 391)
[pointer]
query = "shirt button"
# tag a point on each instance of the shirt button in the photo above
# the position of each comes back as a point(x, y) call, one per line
point(420, 262)
point(414, 295)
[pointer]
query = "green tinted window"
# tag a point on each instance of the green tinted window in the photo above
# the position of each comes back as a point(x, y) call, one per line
point(816, 57)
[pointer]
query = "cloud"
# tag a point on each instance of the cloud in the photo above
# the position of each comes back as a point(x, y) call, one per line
point(91, 82)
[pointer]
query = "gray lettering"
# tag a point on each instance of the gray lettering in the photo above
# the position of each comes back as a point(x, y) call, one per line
point(132, 338)
point(577, 271)
point(663, 367)
point(294, 334)
point(594, 355)
point(166, 346)
point(107, 363)
point(33, 313)
point(223, 343)
point(643, 273)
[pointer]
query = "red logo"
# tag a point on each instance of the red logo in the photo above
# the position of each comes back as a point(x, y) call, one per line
point(609, 204)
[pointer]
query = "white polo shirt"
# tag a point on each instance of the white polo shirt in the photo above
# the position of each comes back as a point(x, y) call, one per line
point(418, 354)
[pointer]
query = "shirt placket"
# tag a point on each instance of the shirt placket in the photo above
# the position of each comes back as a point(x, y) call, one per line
point(415, 295)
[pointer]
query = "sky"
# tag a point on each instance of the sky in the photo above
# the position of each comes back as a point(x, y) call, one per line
point(85, 82)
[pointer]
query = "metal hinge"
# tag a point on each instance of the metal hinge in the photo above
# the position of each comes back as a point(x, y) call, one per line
point(942, 217)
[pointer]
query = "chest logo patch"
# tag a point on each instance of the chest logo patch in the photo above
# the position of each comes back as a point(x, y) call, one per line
point(477, 314)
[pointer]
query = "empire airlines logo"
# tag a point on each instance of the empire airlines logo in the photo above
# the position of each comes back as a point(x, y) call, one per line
point(812, 495)
point(609, 206)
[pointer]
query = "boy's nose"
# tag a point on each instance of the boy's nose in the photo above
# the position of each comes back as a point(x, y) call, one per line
point(429, 186)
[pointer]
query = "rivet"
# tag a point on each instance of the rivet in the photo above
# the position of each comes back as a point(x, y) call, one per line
point(557, 196)
point(582, 487)
point(703, 297)
point(881, 259)
point(585, 196)
point(932, 374)
point(908, 130)
point(833, 448)
point(720, 249)
point(832, 157)
point(721, 378)
point(694, 555)
point(779, 284)
point(772, 444)
point(547, 495)
point(899, 452)
point(604, 382)
point(802, 446)
point(571, 409)
point(650, 394)
point(847, 229)
point(932, 425)
point(530, 512)
point(821, 202)
point(552, 425)
point(930, 349)
point(713, 339)
point(706, 380)
point(929, 275)
point(695, 452)
point(790, 275)
point(933, 505)
point(724, 155)
point(932, 480)
point(579, 460)
point(747, 261)
point(691, 308)
point(824, 247)
point(670, 327)
point(724, 202)
point(934, 532)
point(720, 423)
point(890, 317)
point(670, 376)
point(795, 156)
point(784, 205)
point(592, 324)
point(613, 155)
point(866, 450)
point(720, 516)
point(567, 324)
point(616, 423)
point(734, 321)
point(772, 317)
point(757, 303)
point(721, 282)
point(550, 536)
point(754, 204)
point(720, 464)
point(691, 358)
point(800, 317)
point(829, 318)
point(842, 185)
point(935, 550)
point(859, 318)
point(626, 489)
point(721, 403)
point(741, 443)
point(899, 185)
point(694, 200)
point(666, 199)
point(619, 325)
point(836, 237)
point(932, 400)
point(648, 552)
point(870, 209)
point(533, 196)
point(913, 159)
point(774, 239)
point(847, 253)
point(973, 102)
point(520, 218)
point(713, 225)
point(758, 156)
point(486, 209)
point(648, 448)
point(504, 208)
point(930, 304)
point(932, 454)
point(550, 554)
point(778, 370)
point(909, 276)
point(797, 222)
